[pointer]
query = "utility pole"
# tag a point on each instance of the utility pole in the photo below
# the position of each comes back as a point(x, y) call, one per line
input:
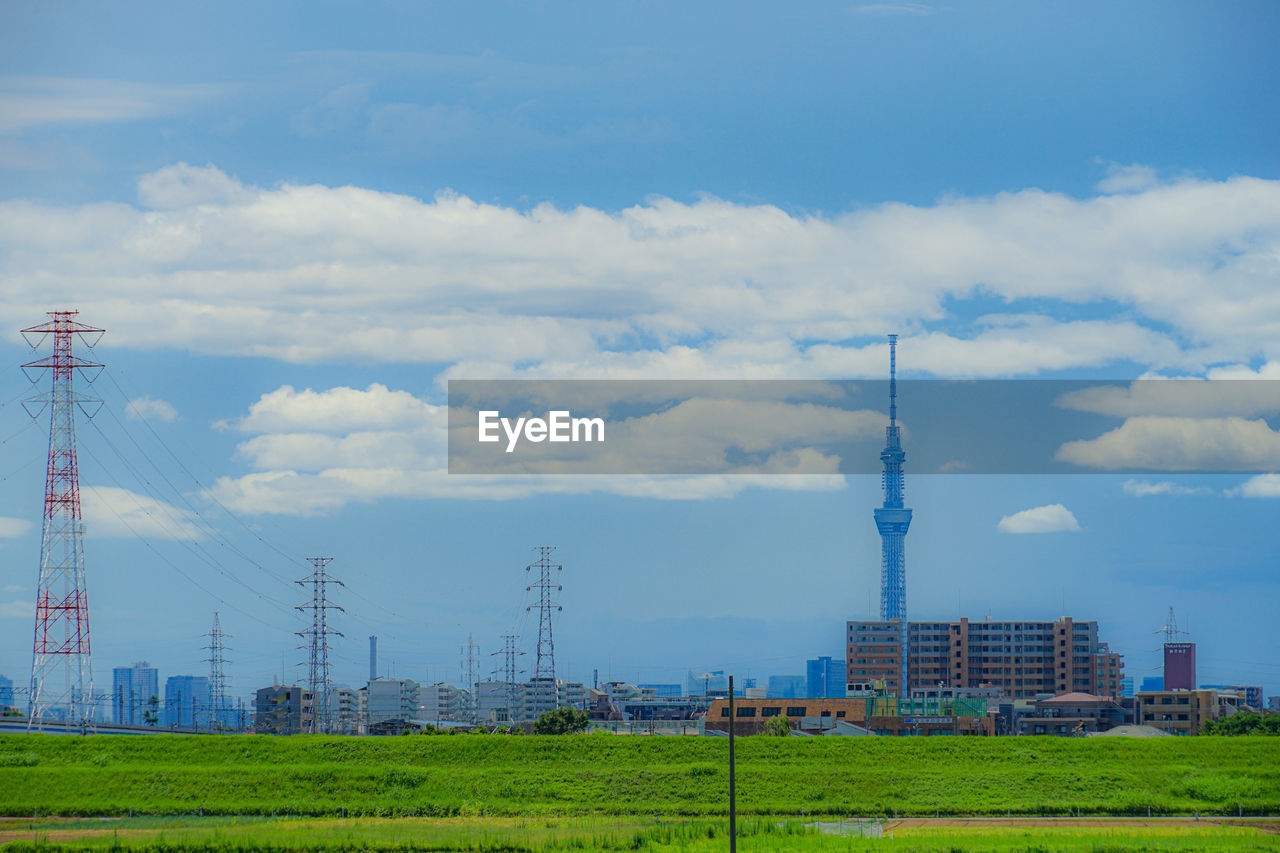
point(217, 677)
point(470, 674)
point(733, 790)
point(509, 671)
point(317, 637)
point(61, 670)
point(543, 686)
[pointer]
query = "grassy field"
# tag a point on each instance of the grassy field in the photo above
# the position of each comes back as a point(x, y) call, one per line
point(637, 777)
point(697, 835)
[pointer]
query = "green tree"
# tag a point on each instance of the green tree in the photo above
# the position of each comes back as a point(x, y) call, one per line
point(1244, 723)
point(561, 721)
point(149, 716)
point(779, 726)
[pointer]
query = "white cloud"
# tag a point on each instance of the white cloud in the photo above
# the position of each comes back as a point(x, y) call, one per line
point(1144, 488)
point(1260, 486)
point(320, 450)
point(12, 528)
point(337, 410)
point(1053, 518)
point(119, 513)
point(13, 587)
point(1179, 444)
point(1188, 397)
point(17, 609)
point(707, 288)
point(1133, 177)
point(145, 408)
point(27, 102)
point(912, 9)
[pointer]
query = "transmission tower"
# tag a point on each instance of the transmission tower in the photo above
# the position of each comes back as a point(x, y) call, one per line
point(218, 710)
point(509, 671)
point(61, 670)
point(543, 686)
point(317, 637)
point(1170, 628)
point(470, 674)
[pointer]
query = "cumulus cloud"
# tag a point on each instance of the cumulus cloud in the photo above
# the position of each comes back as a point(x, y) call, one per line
point(1261, 486)
point(145, 408)
point(13, 587)
point(1172, 397)
point(12, 528)
point(1179, 444)
point(664, 289)
point(1053, 518)
point(112, 512)
point(317, 451)
point(1144, 488)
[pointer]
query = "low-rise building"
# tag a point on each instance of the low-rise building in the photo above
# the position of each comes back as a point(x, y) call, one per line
point(1185, 712)
point(1073, 714)
point(283, 710)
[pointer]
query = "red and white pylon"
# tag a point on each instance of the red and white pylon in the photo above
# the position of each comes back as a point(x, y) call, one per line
point(61, 672)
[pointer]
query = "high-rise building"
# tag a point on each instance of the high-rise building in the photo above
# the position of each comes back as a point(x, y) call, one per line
point(187, 702)
point(1023, 659)
point(1179, 666)
point(665, 691)
point(6, 693)
point(135, 695)
point(824, 679)
point(1152, 683)
point(785, 686)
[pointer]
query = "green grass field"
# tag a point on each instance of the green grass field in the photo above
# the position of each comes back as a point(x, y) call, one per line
point(695, 835)
point(636, 777)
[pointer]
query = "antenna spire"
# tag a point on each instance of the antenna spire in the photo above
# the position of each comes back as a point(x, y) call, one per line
point(893, 380)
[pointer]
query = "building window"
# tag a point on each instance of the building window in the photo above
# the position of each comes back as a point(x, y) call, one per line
point(724, 712)
point(770, 712)
point(796, 711)
point(746, 712)
point(839, 713)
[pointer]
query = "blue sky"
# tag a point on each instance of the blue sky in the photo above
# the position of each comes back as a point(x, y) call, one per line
point(297, 222)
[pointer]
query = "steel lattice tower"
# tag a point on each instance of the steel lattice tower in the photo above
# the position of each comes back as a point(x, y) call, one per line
point(317, 637)
point(893, 519)
point(543, 686)
point(62, 605)
point(218, 710)
point(509, 670)
point(470, 672)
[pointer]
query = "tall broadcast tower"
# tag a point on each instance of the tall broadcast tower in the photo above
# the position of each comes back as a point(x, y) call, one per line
point(61, 673)
point(893, 519)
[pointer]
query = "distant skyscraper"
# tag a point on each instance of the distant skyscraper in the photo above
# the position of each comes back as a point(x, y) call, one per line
point(187, 702)
point(6, 692)
point(1152, 683)
point(132, 688)
point(786, 686)
point(824, 679)
point(893, 518)
point(665, 691)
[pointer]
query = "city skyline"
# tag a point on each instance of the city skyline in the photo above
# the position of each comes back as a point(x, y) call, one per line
point(297, 234)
